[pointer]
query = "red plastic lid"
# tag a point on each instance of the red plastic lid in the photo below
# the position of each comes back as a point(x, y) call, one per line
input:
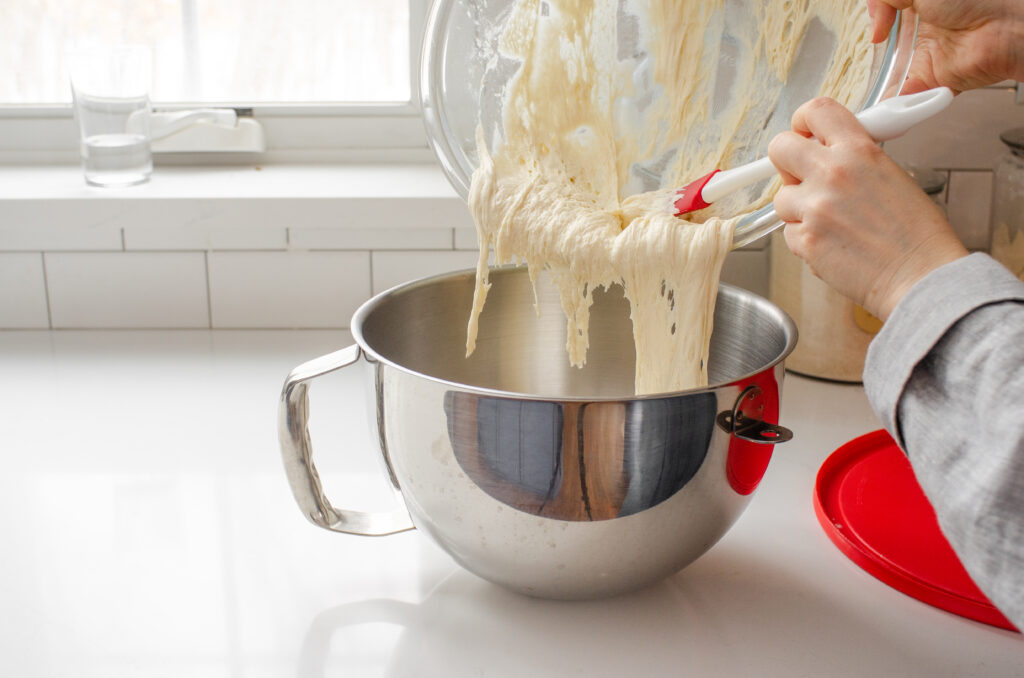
point(871, 506)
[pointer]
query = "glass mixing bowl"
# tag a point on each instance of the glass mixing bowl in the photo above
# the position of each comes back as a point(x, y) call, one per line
point(463, 77)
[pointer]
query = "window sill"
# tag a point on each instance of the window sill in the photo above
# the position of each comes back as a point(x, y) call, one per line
point(240, 207)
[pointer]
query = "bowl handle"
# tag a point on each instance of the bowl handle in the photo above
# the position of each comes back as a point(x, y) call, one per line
point(748, 427)
point(293, 432)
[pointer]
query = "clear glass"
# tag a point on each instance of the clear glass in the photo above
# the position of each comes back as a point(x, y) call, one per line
point(456, 92)
point(110, 87)
point(1008, 209)
point(217, 51)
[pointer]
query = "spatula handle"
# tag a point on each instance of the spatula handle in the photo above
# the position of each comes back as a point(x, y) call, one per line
point(727, 181)
point(893, 117)
point(883, 121)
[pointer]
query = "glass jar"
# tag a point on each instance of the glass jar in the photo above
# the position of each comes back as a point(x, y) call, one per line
point(1007, 230)
point(834, 332)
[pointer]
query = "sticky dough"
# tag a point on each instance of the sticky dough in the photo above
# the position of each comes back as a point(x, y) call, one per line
point(558, 192)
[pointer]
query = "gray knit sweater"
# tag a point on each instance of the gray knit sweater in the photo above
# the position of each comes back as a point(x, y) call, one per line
point(946, 377)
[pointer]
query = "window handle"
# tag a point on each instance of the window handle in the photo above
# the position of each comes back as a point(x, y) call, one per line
point(163, 125)
point(203, 130)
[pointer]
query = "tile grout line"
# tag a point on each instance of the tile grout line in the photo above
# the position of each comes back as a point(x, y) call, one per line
point(46, 292)
point(370, 253)
point(209, 294)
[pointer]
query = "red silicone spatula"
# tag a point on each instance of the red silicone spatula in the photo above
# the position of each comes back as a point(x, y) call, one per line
point(883, 121)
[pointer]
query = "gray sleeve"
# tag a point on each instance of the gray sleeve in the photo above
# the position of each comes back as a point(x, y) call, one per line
point(946, 377)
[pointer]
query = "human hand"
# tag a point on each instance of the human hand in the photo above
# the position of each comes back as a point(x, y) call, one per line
point(961, 44)
point(857, 219)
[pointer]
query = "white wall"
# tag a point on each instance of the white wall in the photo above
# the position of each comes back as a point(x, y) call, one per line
point(305, 261)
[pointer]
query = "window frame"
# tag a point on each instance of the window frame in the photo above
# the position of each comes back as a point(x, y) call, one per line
point(306, 132)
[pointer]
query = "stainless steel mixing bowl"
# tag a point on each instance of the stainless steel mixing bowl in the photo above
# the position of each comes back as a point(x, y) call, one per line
point(547, 479)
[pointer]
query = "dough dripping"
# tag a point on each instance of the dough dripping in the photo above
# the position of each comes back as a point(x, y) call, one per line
point(594, 104)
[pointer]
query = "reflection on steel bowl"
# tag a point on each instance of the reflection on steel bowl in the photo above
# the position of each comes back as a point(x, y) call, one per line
point(547, 479)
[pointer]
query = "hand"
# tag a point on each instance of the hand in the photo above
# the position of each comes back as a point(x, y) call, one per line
point(858, 220)
point(961, 44)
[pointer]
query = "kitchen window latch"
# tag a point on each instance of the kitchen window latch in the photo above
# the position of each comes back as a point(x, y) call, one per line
point(217, 130)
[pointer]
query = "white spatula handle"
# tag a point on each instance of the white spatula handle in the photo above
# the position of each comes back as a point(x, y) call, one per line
point(894, 117)
point(883, 121)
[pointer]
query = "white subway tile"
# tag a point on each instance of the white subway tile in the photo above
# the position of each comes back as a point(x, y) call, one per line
point(92, 219)
point(127, 289)
point(67, 234)
point(180, 236)
point(409, 212)
point(287, 289)
point(297, 212)
point(964, 136)
point(394, 268)
point(204, 214)
point(380, 238)
point(22, 292)
point(350, 212)
point(747, 269)
point(970, 206)
point(465, 239)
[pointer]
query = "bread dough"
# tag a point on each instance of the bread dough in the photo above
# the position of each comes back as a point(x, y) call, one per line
point(590, 107)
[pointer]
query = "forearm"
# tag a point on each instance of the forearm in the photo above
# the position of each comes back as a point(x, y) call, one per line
point(947, 380)
point(962, 425)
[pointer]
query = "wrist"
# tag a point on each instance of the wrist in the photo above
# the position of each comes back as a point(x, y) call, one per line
point(883, 301)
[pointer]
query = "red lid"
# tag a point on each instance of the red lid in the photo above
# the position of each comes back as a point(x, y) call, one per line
point(868, 500)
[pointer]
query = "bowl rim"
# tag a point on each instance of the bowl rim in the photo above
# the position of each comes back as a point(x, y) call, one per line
point(786, 324)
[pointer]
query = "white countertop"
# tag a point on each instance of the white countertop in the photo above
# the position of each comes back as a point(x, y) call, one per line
point(147, 529)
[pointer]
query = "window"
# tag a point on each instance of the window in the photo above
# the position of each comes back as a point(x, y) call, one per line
point(343, 65)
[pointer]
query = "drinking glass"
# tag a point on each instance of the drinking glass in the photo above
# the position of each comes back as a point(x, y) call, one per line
point(110, 86)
